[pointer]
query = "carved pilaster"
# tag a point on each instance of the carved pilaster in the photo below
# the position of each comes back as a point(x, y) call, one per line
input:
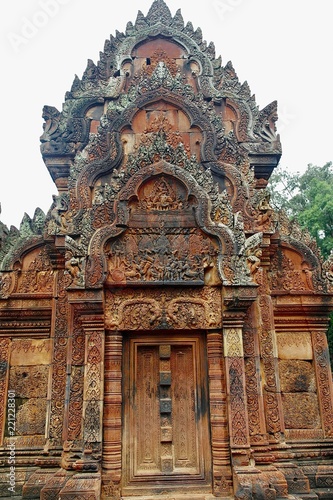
point(236, 304)
point(235, 377)
point(58, 369)
point(75, 364)
point(268, 353)
point(222, 477)
point(255, 404)
point(83, 413)
point(324, 380)
point(93, 382)
point(112, 420)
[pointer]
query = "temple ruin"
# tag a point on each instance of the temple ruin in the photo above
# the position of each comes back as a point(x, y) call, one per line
point(162, 328)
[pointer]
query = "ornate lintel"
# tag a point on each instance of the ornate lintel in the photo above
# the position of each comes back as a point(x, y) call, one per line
point(84, 296)
point(21, 323)
point(292, 310)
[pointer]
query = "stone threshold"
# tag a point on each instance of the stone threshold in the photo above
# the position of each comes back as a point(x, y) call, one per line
point(180, 496)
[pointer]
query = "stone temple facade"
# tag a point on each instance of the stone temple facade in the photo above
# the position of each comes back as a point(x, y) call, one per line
point(162, 329)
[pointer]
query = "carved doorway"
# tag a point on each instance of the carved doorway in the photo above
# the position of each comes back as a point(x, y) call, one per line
point(166, 443)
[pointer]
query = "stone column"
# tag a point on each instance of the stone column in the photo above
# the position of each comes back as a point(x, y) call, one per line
point(222, 476)
point(60, 340)
point(268, 354)
point(236, 302)
point(255, 402)
point(236, 391)
point(82, 433)
point(112, 420)
point(93, 391)
point(324, 379)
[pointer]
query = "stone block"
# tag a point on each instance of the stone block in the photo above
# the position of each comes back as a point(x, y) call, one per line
point(297, 376)
point(83, 486)
point(20, 478)
point(29, 381)
point(53, 486)
point(298, 483)
point(29, 352)
point(324, 477)
point(301, 410)
point(36, 482)
point(294, 346)
point(325, 494)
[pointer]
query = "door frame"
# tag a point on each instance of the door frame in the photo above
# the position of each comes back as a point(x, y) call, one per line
point(112, 464)
point(171, 482)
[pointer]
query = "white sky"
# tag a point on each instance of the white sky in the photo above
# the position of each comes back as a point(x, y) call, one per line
point(283, 48)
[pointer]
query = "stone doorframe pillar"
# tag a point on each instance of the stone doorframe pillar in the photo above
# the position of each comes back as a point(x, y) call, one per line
point(112, 423)
point(236, 302)
point(83, 410)
point(112, 419)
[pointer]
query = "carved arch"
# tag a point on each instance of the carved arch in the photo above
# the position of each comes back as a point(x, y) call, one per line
point(109, 137)
point(96, 268)
point(295, 267)
point(16, 255)
point(181, 38)
point(244, 119)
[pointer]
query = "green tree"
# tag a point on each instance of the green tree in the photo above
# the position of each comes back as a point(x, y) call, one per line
point(307, 197)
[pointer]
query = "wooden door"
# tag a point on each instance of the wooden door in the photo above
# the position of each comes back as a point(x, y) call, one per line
point(166, 443)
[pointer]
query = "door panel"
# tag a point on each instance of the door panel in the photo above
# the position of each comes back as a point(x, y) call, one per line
point(183, 389)
point(145, 416)
point(166, 440)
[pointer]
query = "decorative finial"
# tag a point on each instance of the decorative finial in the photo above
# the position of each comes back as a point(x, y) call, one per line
point(159, 12)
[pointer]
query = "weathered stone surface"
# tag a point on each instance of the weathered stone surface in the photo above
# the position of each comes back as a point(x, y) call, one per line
point(297, 376)
point(301, 410)
point(29, 381)
point(294, 346)
point(31, 417)
point(162, 328)
point(85, 486)
point(30, 352)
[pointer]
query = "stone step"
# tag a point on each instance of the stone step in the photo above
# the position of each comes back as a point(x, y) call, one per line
point(182, 496)
point(324, 493)
point(305, 496)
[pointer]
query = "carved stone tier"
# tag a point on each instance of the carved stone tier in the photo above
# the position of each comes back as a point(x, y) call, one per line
point(162, 328)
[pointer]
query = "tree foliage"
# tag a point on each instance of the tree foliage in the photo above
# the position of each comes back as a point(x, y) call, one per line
point(307, 197)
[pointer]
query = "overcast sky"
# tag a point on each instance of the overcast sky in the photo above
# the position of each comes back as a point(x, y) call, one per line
point(283, 48)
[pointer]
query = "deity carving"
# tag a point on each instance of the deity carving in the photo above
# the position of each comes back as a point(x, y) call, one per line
point(74, 266)
point(161, 198)
point(179, 256)
point(60, 217)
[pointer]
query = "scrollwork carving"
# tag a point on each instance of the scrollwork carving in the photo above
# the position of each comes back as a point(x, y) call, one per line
point(157, 309)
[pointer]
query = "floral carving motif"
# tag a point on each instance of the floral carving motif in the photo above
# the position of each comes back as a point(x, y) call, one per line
point(239, 424)
point(156, 309)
